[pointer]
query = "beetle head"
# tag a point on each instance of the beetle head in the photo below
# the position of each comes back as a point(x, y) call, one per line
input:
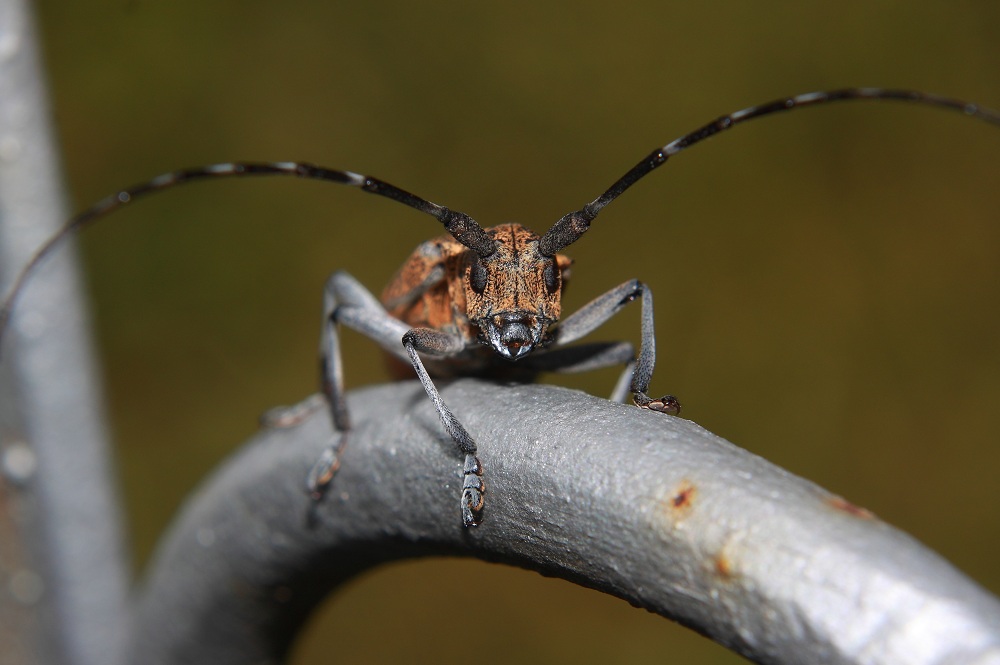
point(513, 294)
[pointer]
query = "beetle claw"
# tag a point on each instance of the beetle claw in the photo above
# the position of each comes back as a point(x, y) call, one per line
point(666, 404)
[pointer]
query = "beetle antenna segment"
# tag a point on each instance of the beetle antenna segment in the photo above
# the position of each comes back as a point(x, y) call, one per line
point(573, 225)
point(464, 229)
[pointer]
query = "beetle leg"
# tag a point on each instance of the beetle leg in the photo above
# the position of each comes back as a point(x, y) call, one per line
point(624, 383)
point(435, 342)
point(587, 357)
point(283, 417)
point(345, 301)
point(602, 308)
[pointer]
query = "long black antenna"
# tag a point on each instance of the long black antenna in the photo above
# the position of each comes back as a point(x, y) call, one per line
point(573, 225)
point(464, 229)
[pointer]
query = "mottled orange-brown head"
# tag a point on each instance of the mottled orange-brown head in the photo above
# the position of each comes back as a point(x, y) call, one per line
point(513, 294)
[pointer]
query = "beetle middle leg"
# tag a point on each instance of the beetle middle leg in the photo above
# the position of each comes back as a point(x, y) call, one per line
point(588, 357)
point(602, 308)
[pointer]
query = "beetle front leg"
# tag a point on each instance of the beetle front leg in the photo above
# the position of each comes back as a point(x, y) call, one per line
point(435, 342)
point(643, 372)
point(345, 302)
point(332, 384)
point(602, 308)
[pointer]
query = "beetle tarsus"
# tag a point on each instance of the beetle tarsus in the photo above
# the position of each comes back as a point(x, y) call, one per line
point(666, 404)
point(473, 492)
point(472, 506)
point(322, 472)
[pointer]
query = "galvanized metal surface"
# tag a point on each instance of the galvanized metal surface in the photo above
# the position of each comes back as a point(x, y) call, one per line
point(650, 508)
point(63, 566)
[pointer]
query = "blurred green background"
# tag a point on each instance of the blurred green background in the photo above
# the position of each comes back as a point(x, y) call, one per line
point(826, 281)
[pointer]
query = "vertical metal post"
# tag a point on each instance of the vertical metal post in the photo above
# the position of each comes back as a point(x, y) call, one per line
point(63, 572)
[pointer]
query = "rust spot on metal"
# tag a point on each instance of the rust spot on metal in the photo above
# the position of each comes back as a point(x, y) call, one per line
point(843, 505)
point(676, 503)
point(683, 496)
point(725, 563)
point(723, 566)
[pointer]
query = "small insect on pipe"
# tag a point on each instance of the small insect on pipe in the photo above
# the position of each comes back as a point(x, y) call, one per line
point(478, 302)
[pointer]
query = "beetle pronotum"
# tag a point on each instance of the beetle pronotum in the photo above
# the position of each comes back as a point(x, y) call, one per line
point(483, 302)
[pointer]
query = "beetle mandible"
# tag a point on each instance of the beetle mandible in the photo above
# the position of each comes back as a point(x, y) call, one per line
point(478, 302)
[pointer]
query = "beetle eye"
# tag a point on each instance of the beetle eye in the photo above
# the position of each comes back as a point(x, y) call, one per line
point(477, 276)
point(550, 274)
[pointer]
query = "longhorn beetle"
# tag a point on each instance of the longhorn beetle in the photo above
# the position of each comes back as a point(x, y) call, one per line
point(479, 301)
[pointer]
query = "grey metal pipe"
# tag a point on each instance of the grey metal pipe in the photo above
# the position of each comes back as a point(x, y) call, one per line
point(62, 566)
point(649, 508)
